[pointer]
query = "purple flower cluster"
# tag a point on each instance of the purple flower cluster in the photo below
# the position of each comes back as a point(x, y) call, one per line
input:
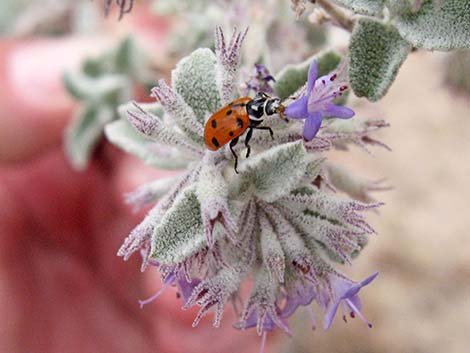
point(341, 292)
point(274, 224)
point(259, 80)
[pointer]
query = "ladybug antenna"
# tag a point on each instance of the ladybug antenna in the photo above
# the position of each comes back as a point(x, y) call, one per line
point(280, 110)
point(283, 116)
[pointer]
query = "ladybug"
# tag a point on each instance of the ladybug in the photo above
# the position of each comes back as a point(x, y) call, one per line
point(231, 121)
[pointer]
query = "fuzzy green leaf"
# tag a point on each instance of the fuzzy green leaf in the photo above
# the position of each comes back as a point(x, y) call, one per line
point(194, 78)
point(314, 166)
point(180, 233)
point(275, 172)
point(124, 56)
point(376, 53)
point(122, 134)
point(363, 7)
point(94, 67)
point(110, 88)
point(271, 251)
point(212, 185)
point(84, 133)
point(440, 25)
point(129, 59)
point(292, 77)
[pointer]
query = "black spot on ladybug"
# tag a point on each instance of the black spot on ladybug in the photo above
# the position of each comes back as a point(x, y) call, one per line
point(214, 123)
point(239, 122)
point(229, 111)
point(231, 133)
point(215, 142)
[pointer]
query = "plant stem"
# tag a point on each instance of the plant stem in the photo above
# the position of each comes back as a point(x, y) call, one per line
point(337, 14)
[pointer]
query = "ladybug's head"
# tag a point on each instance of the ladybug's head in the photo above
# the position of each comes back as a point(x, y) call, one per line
point(263, 105)
point(271, 105)
point(274, 106)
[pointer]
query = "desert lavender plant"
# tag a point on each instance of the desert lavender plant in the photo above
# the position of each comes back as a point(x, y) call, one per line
point(103, 83)
point(384, 32)
point(277, 222)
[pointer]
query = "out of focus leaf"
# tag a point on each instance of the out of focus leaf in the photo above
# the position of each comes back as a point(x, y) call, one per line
point(84, 133)
point(110, 88)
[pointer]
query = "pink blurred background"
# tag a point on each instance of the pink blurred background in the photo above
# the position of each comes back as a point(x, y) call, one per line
point(62, 288)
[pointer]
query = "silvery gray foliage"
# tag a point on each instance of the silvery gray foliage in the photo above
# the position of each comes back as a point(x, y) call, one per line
point(277, 221)
point(437, 25)
point(374, 67)
point(102, 84)
point(382, 40)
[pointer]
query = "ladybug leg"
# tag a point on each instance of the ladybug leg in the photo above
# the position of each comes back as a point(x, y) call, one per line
point(233, 143)
point(249, 134)
point(266, 128)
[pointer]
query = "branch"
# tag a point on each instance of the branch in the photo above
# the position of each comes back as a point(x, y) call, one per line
point(338, 15)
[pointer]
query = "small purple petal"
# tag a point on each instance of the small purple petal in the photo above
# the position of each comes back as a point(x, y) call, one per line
point(303, 296)
point(369, 279)
point(355, 289)
point(357, 311)
point(268, 323)
point(356, 301)
point(298, 109)
point(346, 290)
point(263, 342)
point(312, 75)
point(170, 278)
point(155, 296)
point(330, 315)
point(269, 78)
point(312, 125)
point(338, 111)
point(186, 288)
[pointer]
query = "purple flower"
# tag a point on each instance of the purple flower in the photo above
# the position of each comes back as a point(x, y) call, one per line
point(345, 293)
point(264, 321)
point(302, 295)
point(173, 277)
point(268, 320)
point(316, 103)
point(259, 80)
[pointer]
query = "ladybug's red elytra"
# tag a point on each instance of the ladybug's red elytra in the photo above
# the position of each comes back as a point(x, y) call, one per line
point(231, 121)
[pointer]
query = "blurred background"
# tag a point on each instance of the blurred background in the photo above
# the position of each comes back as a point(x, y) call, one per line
point(62, 215)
